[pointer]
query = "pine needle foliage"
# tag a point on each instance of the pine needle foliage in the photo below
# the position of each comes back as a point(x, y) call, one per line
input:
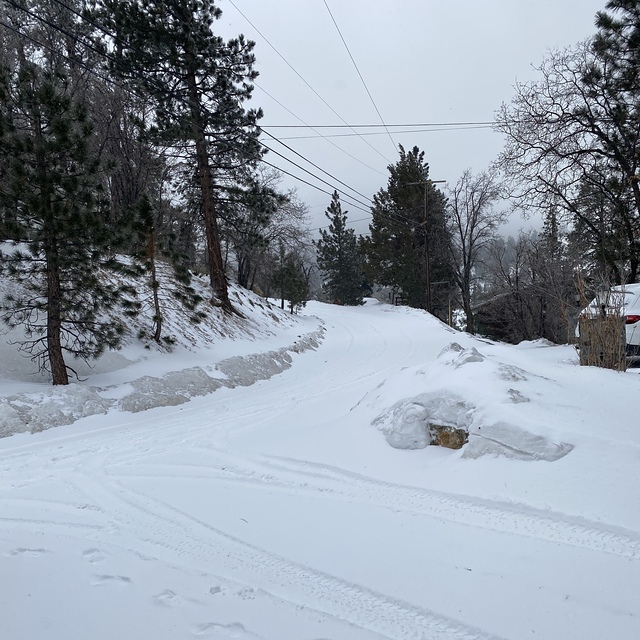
point(198, 83)
point(57, 245)
point(339, 258)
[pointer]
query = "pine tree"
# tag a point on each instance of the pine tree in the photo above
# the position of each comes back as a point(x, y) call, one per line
point(408, 245)
point(199, 83)
point(53, 210)
point(290, 280)
point(339, 257)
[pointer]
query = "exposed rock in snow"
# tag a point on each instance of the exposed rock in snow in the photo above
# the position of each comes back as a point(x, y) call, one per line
point(448, 437)
point(406, 424)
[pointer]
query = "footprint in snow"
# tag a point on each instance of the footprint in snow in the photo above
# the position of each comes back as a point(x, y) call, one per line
point(234, 631)
point(32, 553)
point(93, 555)
point(167, 598)
point(100, 581)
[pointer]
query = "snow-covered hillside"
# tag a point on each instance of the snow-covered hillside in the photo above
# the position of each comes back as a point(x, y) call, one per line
point(219, 351)
point(280, 486)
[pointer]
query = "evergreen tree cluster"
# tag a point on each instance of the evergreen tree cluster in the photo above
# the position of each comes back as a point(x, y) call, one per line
point(290, 280)
point(408, 248)
point(124, 140)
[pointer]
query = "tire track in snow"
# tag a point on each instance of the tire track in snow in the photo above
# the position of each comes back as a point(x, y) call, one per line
point(128, 438)
point(516, 518)
point(179, 426)
point(128, 446)
point(195, 544)
point(329, 482)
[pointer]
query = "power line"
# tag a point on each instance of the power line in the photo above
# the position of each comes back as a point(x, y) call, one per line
point(109, 81)
point(295, 164)
point(66, 57)
point(382, 133)
point(86, 18)
point(306, 126)
point(308, 183)
point(74, 37)
point(326, 226)
point(386, 126)
point(315, 165)
point(395, 216)
point(301, 78)
point(359, 74)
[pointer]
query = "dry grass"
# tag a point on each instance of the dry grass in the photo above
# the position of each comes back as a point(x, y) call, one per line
point(603, 342)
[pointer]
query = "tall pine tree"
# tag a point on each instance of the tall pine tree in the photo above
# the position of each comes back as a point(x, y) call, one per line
point(339, 257)
point(199, 84)
point(290, 280)
point(52, 206)
point(408, 246)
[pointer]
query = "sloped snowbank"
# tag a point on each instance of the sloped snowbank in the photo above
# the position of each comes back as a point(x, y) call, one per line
point(220, 351)
point(465, 387)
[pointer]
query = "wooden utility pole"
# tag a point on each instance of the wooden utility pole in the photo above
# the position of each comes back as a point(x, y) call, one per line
point(426, 257)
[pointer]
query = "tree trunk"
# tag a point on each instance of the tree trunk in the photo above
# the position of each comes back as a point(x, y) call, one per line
point(59, 372)
point(471, 325)
point(217, 274)
point(465, 287)
point(54, 320)
point(155, 285)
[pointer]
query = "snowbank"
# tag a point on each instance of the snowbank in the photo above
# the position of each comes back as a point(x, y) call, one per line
point(465, 387)
point(143, 376)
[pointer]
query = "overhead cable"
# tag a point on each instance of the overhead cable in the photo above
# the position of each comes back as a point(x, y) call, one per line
point(308, 183)
point(301, 78)
point(103, 54)
point(375, 106)
point(295, 164)
point(382, 133)
point(306, 126)
point(315, 165)
point(386, 126)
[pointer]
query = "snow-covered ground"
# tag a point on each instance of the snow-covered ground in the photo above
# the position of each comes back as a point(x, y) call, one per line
point(285, 491)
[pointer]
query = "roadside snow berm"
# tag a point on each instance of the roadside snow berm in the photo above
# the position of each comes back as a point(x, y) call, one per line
point(475, 402)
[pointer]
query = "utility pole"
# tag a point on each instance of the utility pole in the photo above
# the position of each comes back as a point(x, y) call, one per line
point(426, 257)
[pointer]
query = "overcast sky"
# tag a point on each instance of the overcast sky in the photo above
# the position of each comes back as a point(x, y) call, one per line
point(423, 61)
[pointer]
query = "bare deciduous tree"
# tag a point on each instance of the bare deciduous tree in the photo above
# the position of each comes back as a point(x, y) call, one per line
point(572, 140)
point(472, 220)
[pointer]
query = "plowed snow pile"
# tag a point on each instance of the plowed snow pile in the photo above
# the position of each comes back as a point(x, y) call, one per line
point(459, 381)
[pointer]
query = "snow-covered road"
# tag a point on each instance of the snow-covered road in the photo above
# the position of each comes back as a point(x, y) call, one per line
point(278, 511)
